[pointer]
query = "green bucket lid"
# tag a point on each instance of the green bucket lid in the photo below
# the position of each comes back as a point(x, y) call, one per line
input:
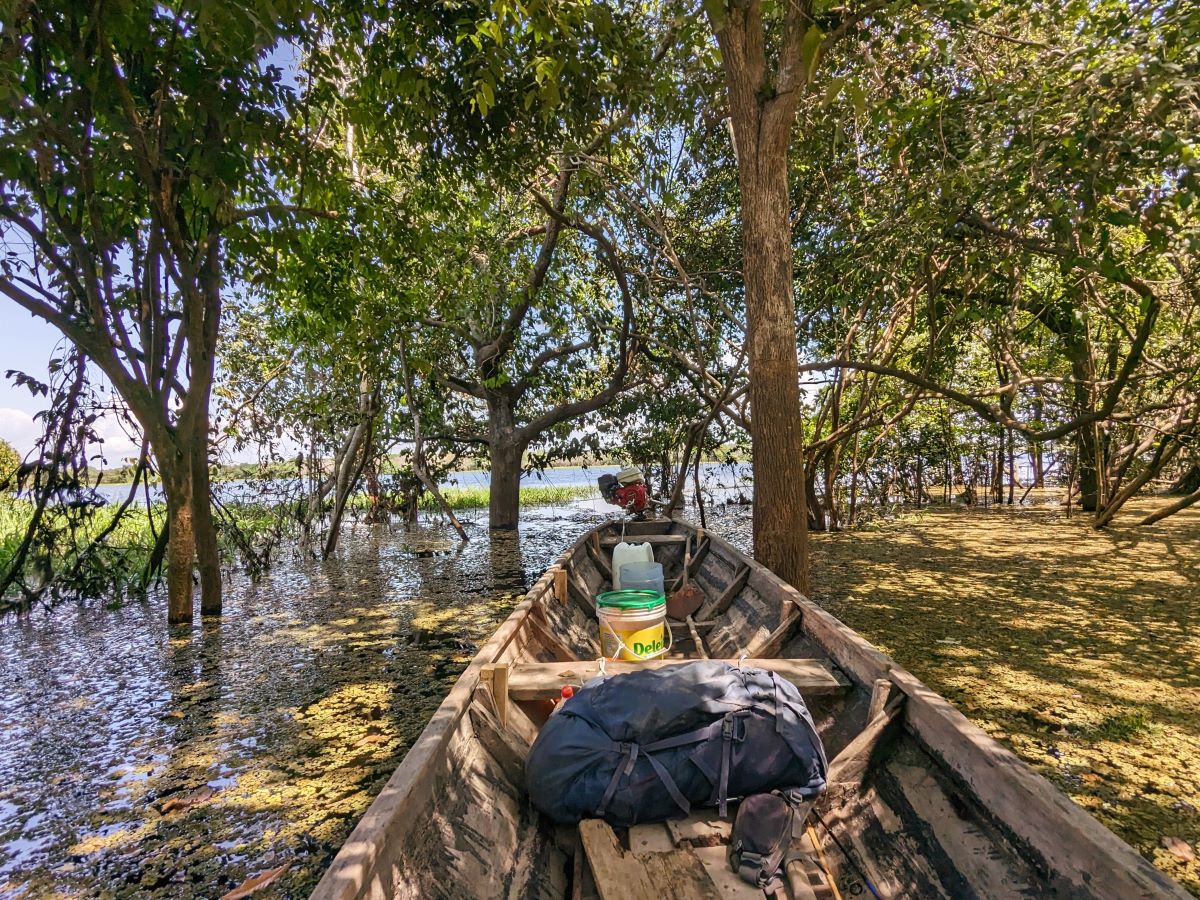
point(630, 599)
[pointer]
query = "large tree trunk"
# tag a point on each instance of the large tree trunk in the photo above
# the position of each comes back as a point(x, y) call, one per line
point(504, 504)
point(1089, 468)
point(780, 511)
point(201, 320)
point(208, 555)
point(177, 485)
point(762, 122)
point(181, 556)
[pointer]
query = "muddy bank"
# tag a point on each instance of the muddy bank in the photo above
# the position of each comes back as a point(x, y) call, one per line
point(140, 761)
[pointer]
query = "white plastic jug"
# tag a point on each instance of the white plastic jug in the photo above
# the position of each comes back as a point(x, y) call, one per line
point(625, 553)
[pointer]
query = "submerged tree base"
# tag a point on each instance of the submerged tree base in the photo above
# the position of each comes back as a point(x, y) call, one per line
point(1077, 648)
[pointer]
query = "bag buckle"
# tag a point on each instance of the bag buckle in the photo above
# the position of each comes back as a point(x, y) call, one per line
point(730, 730)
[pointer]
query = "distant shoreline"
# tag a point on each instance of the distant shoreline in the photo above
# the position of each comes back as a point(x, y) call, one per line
point(245, 471)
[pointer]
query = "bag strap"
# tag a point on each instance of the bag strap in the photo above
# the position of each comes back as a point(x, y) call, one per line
point(631, 750)
point(725, 726)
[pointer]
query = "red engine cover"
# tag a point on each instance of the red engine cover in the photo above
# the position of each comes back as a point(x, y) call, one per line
point(632, 497)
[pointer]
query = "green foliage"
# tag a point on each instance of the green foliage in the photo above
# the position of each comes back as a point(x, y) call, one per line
point(117, 567)
point(10, 461)
point(477, 497)
point(505, 79)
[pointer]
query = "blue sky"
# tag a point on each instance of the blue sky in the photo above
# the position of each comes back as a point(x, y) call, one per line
point(26, 344)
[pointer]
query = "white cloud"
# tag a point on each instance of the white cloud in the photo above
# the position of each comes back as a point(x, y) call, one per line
point(19, 429)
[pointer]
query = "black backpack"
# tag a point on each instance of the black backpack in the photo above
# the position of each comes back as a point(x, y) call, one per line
point(647, 745)
point(760, 845)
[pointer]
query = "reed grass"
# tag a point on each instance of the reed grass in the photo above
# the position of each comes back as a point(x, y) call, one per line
point(539, 495)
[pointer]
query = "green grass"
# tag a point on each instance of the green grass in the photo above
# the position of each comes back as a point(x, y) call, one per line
point(117, 566)
point(475, 497)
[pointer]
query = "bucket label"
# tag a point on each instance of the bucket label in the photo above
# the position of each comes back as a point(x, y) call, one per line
point(640, 644)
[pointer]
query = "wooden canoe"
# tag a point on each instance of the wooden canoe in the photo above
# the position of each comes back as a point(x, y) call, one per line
point(921, 803)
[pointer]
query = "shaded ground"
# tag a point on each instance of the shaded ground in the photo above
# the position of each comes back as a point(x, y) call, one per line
point(1077, 648)
point(139, 761)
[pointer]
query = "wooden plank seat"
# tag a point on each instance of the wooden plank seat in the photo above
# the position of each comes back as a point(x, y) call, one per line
point(541, 681)
point(610, 542)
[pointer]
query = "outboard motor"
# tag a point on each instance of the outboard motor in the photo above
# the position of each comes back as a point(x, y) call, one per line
point(627, 489)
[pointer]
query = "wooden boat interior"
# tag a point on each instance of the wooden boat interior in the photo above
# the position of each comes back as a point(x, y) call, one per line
point(921, 803)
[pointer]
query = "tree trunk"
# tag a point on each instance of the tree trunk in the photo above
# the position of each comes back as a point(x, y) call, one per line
point(816, 513)
point(762, 123)
point(920, 479)
point(853, 483)
point(201, 321)
point(352, 460)
point(1012, 466)
point(780, 513)
point(504, 504)
point(1088, 468)
point(1177, 506)
point(181, 543)
point(998, 472)
point(208, 556)
point(1035, 449)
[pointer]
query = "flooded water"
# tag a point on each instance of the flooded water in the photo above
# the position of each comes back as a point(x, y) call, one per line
point(139, 761)
point(720, 480)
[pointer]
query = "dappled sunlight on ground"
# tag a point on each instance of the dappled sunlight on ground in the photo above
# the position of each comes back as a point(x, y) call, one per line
point(1078, 648)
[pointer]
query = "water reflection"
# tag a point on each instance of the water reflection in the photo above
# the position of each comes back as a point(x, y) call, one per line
point(139, 760)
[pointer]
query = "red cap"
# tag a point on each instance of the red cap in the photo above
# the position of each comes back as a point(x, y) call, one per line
point(568, 692)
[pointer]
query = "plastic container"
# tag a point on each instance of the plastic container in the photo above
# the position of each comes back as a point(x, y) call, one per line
point(633, 624)
point(625, 553)
point(643, 576)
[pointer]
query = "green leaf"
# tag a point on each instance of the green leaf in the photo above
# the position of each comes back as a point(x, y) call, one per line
point(832, 90)
point(810, 51)
point(858, 97)
point(717, 13)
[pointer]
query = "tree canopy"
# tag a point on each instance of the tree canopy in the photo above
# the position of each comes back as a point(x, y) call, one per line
point(878, 248)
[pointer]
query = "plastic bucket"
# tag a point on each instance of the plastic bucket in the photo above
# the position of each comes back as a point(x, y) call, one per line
point(642, 576)
point(633, 624)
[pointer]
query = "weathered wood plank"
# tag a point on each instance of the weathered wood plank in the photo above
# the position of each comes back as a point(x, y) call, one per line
point(540, 630)
point(771, 644)
point(693, 566)
point(697, 638)
point(584, 886)
point(619, 875)
point(496, 678)
point(637, 529)
point(721, 604)
point(495, 739)
point(538, 681)
point(1078, 849)
point(848, 769)
point(602, 563)
point(653, 539)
